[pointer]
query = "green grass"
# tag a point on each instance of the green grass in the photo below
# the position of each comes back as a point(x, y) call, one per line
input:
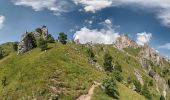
point(133, 51)
point(66, 70)
point(125, 94)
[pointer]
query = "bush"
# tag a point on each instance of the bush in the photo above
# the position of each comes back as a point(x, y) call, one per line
point(162, 97)
point(108, 62)
point(111, 88)
point(169, 83)
point(62, 38)
point(150, 83)
point(90, 54)
point(129, 80)
point(146, 92)
point(15, 46)
point(42, 44)
point(1, 53)
point(4, 81)
point(50, 39)
point(137, 86)
point(117, 75)
point(118, 67)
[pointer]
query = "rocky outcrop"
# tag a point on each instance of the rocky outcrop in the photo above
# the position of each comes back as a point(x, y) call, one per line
point(138, 76)
point(150, 54)
point(124, 42)
point(28, 40)
point(161, 85)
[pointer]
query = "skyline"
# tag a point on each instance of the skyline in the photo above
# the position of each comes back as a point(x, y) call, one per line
point(100, 21)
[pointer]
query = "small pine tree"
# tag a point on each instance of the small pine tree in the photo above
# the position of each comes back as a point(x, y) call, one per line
point(90, 54)
point(50, 39)
point(169, 83)
point(4, 81)
point(129, 80)
point(15, 46)
point(146, 92)
point(117, 75)
point(137, 86)
point(62, 38)
point(111, 88)
point(1, 53)
point(42, 44)
point(162, 97)
point(108, 62)
point(118, 67)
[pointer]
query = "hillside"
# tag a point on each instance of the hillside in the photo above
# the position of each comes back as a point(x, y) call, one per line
point(64, 71)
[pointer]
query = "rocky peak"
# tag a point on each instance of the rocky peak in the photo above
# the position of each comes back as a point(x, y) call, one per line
point(124, 42)
point(28, 39)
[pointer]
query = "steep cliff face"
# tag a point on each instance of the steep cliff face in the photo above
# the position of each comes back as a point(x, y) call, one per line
point(124, 42)
point(28, 40)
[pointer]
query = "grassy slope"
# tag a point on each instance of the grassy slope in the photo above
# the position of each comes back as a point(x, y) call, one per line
point(125, 94)
point(62, 68)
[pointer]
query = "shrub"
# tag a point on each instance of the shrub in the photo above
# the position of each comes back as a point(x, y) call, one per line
point(111, 88)
point(118, 67)
point(118, 76)
point(169, 83)
point(129, 80)
point(1, 53)
point(162, 97)
point(62, 38)
point(137, 86)
point(4, 81)
point(90, 54)
point(50, 39)
point(15, 46)
point(146, 92)
point(42, 44)
point(108, 62)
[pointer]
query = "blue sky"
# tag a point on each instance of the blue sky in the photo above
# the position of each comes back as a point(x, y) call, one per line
point(100, 21)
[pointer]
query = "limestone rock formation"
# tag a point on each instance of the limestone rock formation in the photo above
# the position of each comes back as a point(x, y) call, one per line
point(28, 40)
point(124, 42)
point(150, 54)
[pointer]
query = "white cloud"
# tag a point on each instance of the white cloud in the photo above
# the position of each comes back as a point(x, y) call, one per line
point(143, 38)
point(165, 46)
point(93, 5)
point(86, 35)
point(106, 35)
point(108, 21)
point(160, 7)
point(2, 19)
point(57, 6)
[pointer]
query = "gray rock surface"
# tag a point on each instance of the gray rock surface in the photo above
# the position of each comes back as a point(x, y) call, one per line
point(28, 41)
point(124, 42)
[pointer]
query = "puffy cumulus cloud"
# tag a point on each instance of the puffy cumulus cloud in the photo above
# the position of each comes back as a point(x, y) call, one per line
point(165, 46)
point(102, 36)
point(2, 19)
point(57, 6)
point(106, 35)
point(143, 38)
point(108, 21)
point(93, 5)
